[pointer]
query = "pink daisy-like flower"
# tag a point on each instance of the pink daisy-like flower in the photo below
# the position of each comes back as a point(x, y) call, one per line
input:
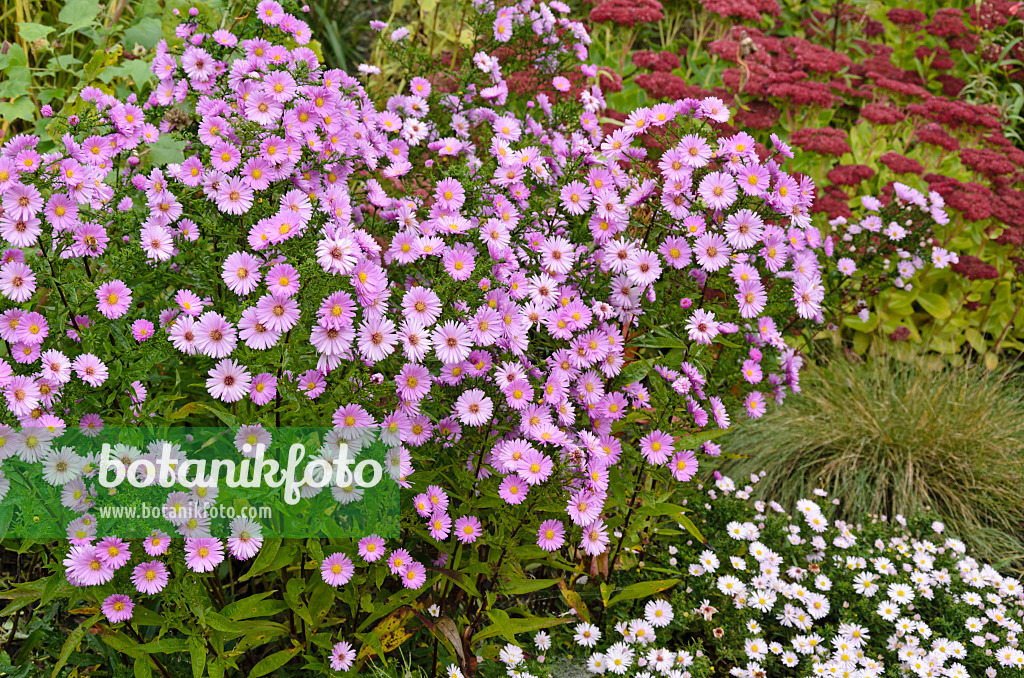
point(234, 196)
point(246, 538)
point(343, 656)
point(474, 408)
point(743, 229)
point(414, 575)
point(422, 305)
point(263, 388)
point(337, 569)
point(718, 189)
point(753, 179)
point(513, 489)
point(702, 326)
point(694, 150)
point(189, 302)
point(376, 338)
point(715, 109)
point(399, 558)
point(595, 539)
point(371, 549)
point(150, 577)
point(752, 298)
point(468, 529)
point(277, 313)
point(228, 381)
point(90, 369)
point(17, 281)
point(657, 447)
point(215, 336)
point(551, 535)
point(84, 567)
point(451, 342)
point(459, 262)
point(450, 195)
point(711, 251)
point(413, 382)
point(241, 273)
point(142, 330)
point(114, 552)
point(440, 525)
point(203, 554)
point(683, 465)
point(117, 608)
point(283, 279)
point(157, 543)
point(114, 299)
point(575, 197)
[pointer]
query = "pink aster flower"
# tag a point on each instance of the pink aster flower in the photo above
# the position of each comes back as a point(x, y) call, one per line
point(702, 326)
point(114, 299)
point(440, 525)
point(752, 298)
point(283, 279)
point(343, 656)
point(422, 305)
point(150, 577)
point(371, 549)
point(468, 529)
point(712, 252)
point(157, 543)
point(575, 197)
point(117, 608)
point(551, 535)
point(90, 369)
point(595, 539)
point(228, 381)
point(337, 569)
point(414, 575)
point(114, 552)
point(203, 554)
point(241, 273)
point(277, 313)
point(142, 330)
point(263, 388)
point(657, 447)
point(743, 229)
point(718, 190)
point(683, 465)
point(84, 567)
point(513, 489)
point(215, 336)
point(451, 342)
point(234, 196)
point(459, 262)
point(17, 281)
point(376, 338)
point(694, 150)
point(474, 408)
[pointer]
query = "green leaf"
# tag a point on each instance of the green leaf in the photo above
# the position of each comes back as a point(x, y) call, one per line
point(643, 590)
point(635, 371)
point(197, 653)
point(71, 644)
point(855, 323)
point(273, 662)
point(147, 32)
point(518, 587)
point(135, 70)
point(320, 601)
point(689, 442)
point(30, 32)
point(935, 304)
point(78, 14)
point(691, 528)
point(143, 667)
point(168, 150)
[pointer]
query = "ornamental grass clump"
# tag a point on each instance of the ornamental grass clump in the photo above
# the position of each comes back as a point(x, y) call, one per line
point(887, 438)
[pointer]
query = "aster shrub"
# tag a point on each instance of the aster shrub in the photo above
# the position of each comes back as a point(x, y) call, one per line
point(875, 95)
point(542, 324)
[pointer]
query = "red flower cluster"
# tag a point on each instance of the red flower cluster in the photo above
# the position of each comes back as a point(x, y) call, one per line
point(947, 23)
point(901, 164)
point(655, 61)
point(984, 161)
point(911, 18)
point(627, 12)
point(849, 175)
point(660, 85)
point(881, 114)
point(826, 140)
point(973, 268)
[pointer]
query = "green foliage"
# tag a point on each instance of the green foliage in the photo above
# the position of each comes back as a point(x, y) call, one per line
point(885, 438)
point(54, 49)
